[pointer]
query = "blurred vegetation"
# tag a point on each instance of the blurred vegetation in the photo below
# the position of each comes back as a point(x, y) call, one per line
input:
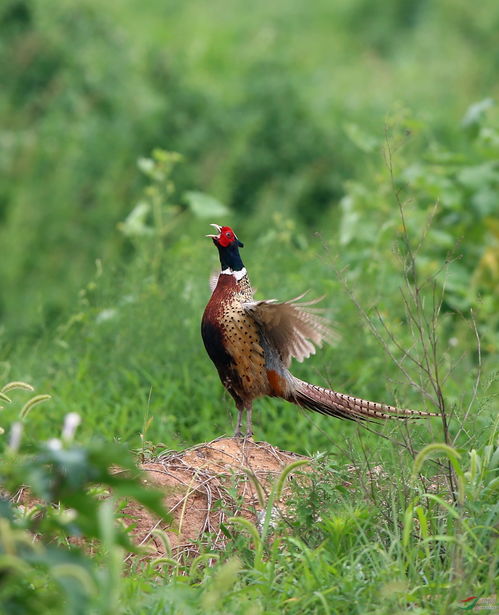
point(279, 110)
point(290, 121)
point(296, 118)
point(310, 128)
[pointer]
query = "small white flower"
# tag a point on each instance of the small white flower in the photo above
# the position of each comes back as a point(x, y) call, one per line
point(71, 422)
point(54, 444)
point(15, 436)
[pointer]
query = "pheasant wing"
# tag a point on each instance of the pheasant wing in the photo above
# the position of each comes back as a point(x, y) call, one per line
point(295, 329)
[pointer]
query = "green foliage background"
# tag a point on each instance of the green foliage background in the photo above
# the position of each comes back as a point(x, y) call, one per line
point(301, 125)
point(285, 115)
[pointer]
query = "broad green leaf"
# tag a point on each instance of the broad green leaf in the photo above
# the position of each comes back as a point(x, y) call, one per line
point(204, 206)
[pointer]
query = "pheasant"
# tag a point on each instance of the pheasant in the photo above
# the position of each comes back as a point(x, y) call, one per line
point(252, 343)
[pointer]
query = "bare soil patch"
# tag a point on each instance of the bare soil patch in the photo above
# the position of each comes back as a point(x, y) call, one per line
point(203, 486)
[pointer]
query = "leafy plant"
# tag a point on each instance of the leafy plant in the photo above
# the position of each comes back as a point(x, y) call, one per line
point(55, 523)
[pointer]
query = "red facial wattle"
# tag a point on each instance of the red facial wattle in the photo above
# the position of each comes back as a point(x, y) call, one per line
point(227, 236)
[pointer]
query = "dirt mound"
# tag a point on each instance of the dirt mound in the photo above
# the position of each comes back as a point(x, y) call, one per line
point(203, 486)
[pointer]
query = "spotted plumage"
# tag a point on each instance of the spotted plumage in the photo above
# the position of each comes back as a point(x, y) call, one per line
point(253, 342)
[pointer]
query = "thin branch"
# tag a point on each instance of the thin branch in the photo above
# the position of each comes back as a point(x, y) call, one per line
point(426, 331)
point(477, 379)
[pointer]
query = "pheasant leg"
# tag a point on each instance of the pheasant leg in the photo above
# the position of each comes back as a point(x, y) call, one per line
point(238, 433)
point(249, 424)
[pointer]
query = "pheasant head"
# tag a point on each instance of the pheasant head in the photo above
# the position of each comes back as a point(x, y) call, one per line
point(228, 248)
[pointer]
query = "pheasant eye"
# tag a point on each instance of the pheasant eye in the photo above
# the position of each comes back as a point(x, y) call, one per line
point(229, 235)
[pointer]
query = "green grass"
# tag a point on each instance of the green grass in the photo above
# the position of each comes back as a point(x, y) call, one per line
point(368, 537)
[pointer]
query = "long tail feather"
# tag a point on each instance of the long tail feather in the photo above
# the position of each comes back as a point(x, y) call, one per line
point(343, 406)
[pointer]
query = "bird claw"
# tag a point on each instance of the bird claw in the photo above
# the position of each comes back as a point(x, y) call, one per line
point(246, 436)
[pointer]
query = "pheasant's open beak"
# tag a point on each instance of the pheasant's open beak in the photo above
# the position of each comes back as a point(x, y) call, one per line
point(219, 229)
